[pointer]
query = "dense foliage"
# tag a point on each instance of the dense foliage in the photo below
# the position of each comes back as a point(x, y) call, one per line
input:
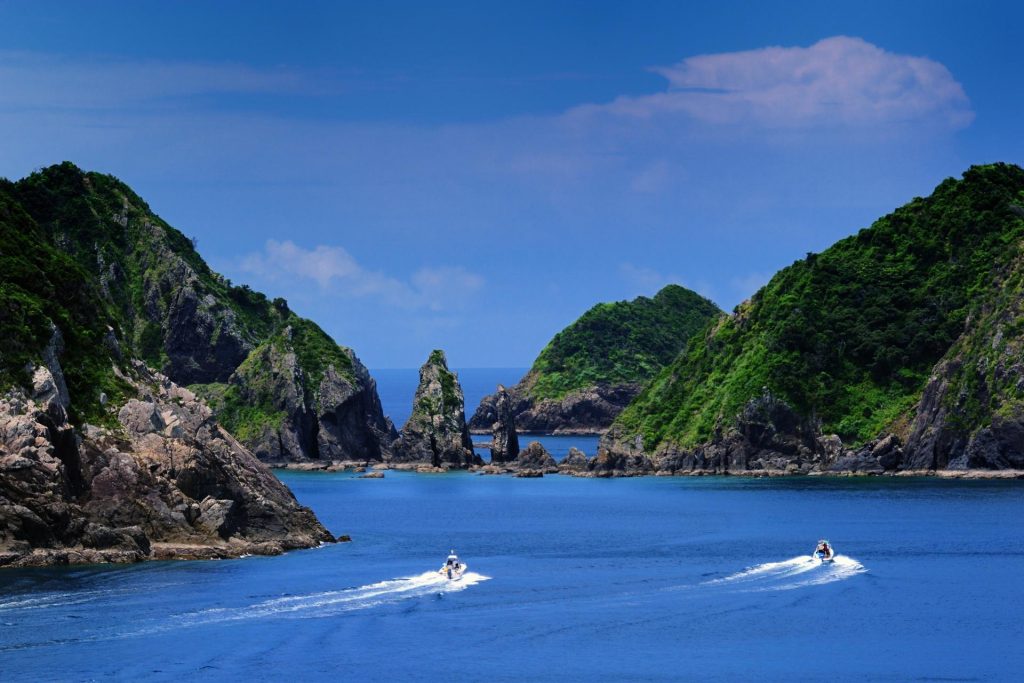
point(84, 252)
point(849, 336)
point(625, 341)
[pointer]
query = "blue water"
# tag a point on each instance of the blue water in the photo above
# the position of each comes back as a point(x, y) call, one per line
point(397, 387)
point(570, 579)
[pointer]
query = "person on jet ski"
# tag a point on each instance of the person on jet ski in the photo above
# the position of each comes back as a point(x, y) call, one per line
point(823, 549)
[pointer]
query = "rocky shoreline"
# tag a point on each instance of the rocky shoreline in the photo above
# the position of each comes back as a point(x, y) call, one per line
point(574, 469)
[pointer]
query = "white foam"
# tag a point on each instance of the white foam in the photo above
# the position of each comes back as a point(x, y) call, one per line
point(333, 602)
point(796, 572)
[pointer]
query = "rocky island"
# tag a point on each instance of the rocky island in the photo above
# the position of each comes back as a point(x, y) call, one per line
point(591, 370)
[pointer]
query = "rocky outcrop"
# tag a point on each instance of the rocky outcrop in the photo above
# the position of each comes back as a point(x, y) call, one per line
point(436, 432)
point(169, 483)
point(587, 411)
point(202, 337)
point(574, 463)
point(340, 418)
point(767, 437)
point(505, 440)
point(535, 458)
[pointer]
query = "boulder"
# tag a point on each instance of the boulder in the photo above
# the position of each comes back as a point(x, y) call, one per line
point(575, 461)
point(535, 458)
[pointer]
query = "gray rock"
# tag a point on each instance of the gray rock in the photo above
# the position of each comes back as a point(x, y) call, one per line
point(536, 458)
point(436, 432)
point(173, 484)
point(575, 461)
point(505, 441)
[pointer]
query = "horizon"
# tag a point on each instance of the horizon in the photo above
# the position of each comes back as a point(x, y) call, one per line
point(473, 177)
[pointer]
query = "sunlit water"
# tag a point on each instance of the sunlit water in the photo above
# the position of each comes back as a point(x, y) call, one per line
point(569, 579)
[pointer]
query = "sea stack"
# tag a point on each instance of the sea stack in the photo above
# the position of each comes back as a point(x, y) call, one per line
point(505, 442)
point(436, 432)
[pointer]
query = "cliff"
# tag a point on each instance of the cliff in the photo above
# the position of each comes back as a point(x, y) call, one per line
point(275, 380)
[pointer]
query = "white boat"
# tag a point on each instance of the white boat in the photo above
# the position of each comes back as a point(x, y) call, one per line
point(824, 552)
point(453, 568)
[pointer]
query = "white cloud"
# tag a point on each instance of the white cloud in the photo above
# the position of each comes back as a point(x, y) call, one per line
point(34, 81)
point(337, 272)
point(838, 81)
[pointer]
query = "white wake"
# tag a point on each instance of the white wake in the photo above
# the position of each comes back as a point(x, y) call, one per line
point(796, 572)
point(345, 600)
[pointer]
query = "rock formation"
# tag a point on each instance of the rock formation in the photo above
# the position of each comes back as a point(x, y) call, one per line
point(505, 441)
point(585, 411)
point(436, 432)
point(535, 458)
point(337, 418)
point(167, 483)
point(575, 462)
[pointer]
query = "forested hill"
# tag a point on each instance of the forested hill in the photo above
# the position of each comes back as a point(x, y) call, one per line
point(84, 255)
point(593, 367)
point(849, 338)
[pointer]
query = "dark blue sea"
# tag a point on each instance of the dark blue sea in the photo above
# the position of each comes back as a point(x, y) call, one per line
point(650, 579)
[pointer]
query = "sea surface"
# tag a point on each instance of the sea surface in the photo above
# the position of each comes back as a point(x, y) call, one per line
point(397, 387)
point(644, 579)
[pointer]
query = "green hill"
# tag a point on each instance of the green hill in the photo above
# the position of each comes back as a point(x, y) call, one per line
point(593, 367)
point(850, 337)
point(84, 253)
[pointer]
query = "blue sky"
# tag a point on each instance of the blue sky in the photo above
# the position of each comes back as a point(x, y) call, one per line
point(473, 176)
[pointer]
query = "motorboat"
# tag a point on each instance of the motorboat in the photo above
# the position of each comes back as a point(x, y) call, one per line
point(824, 552)
point(453, 568)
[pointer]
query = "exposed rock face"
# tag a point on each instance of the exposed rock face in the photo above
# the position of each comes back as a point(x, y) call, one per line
point(575, 462)
point(588, 411)
point(768, 436)
point(505, 441)
point(340, 420)
point(171, 485)
point(202, 337)
point(436, 433)
point(536, 458)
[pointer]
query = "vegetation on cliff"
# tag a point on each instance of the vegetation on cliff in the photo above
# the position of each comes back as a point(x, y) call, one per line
point(849, 337)
point(82, 251)
point(621, 342)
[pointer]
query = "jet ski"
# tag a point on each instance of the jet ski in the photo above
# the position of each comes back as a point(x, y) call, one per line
point(824, 552)
point(453, 568)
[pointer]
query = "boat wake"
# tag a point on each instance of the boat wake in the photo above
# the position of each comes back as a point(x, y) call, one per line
point(796, 572)
point(330, 603)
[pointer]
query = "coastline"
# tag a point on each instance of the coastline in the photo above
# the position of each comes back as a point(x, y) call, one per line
point(369, 467)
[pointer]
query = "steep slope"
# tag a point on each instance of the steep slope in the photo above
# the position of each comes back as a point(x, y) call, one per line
point(103, 458)
point(849, 342)
point(590, 370)
point(277, 381)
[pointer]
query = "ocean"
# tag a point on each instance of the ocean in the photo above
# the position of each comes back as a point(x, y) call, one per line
point(643, 579)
